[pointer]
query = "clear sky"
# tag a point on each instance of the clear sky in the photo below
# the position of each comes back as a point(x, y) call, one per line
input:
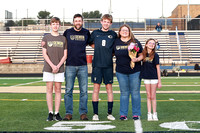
point(67, 8)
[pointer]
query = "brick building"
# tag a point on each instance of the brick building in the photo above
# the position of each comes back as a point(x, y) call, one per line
point(181, 12)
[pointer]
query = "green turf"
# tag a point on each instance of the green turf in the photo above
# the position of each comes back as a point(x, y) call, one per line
point(30, 114)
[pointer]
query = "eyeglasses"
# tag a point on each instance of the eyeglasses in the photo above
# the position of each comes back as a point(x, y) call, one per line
point(151, 43)
point(125, 30)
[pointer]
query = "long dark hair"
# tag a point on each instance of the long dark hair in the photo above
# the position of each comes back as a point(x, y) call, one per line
point(144, 52)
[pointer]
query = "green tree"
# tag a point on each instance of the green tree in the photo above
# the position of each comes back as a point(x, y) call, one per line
point(44, 15)
point(92, 14)
point(26, 22)
point(9, 23)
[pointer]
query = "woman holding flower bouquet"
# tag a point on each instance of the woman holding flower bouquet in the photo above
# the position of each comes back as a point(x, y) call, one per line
point(151, 75)
point(128, 52)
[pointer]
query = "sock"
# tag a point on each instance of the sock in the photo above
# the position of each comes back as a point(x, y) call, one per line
point(95, 107)
point(51, 112)
point(110, 106)
point(56, 113)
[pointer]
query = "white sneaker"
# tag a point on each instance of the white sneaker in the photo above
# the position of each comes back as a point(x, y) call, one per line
point(95, 117)
point(155, 117)
point(149, 117)
point(110, 117)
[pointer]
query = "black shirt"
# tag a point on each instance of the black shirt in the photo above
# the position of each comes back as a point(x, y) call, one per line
point(149, 70)
point(103, 49)
point(122, 57)
point(76, 46)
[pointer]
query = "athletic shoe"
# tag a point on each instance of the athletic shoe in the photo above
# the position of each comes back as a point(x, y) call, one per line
point(136, 117)
point(155, 117)
point(84, 117)
point(110, 117)
point(50, 117)
point(57, 117)
point(149, 117)
point(68, 117)
point(95, 117)
point(123, 117)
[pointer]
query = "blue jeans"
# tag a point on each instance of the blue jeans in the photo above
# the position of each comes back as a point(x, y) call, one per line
point(129, 85)
point(158, 29)
point(82, 74)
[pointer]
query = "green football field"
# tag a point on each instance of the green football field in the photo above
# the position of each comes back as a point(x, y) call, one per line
point(178, 105)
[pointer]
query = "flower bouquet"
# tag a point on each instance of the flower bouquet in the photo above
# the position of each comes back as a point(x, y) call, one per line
point(132, 50)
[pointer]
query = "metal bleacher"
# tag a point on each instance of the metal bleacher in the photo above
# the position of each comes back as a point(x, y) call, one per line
point(26, 47)
point(169, 49)
point(193, 41)
point(21, 48)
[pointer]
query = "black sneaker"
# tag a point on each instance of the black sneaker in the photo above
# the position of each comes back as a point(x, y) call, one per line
point(136, 117)
point(50, 117)
point(123, 117)
point(57, 117)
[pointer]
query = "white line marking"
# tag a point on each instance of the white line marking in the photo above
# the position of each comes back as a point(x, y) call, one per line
point(138, 126)
point(26, 83)
point(180, 125)
point(22, 78)
point(24, 99)
point(80, 126)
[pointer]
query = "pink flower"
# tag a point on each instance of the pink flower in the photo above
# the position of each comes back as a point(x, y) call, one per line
point(130, 47)
point(133, 47)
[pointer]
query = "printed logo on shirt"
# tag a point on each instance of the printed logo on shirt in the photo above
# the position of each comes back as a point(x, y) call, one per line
point(147, 59)
point(77, 37)
point(121, 47)
point(55, 44)
point(117, 47)
point(110, 36)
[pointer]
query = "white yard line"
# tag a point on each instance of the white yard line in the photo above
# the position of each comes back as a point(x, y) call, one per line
point(23, 78)
point(26, 83)
point(138, 126)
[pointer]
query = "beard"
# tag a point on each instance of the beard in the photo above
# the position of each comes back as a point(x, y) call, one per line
point(78, 27)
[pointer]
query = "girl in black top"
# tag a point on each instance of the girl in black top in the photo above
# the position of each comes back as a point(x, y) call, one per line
point(151, 74)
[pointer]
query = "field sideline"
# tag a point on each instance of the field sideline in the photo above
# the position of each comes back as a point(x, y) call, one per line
point(24, 109)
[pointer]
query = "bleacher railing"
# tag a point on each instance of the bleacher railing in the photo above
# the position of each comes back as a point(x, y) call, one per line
point(6, 52)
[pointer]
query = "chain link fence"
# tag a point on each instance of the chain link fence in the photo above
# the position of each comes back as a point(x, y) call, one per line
point(147, 24)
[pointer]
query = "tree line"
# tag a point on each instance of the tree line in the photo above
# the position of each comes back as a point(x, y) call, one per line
point(47, 15)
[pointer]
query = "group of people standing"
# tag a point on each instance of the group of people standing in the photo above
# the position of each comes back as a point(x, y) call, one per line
point(71, 47)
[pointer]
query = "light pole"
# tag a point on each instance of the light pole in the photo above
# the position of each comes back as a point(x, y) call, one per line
point(110, 8)
point(162, 10)
point(188, 11)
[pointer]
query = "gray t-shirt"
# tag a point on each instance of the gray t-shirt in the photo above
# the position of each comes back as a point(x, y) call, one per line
point(55, 46)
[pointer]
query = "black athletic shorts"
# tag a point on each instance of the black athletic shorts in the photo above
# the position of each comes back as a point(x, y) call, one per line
point(105, 73)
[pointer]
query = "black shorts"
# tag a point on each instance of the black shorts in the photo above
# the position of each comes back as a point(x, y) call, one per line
point(99, 73)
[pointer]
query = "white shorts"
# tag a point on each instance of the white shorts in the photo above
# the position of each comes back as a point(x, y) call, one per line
point(51, 77)
point(150, 81)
